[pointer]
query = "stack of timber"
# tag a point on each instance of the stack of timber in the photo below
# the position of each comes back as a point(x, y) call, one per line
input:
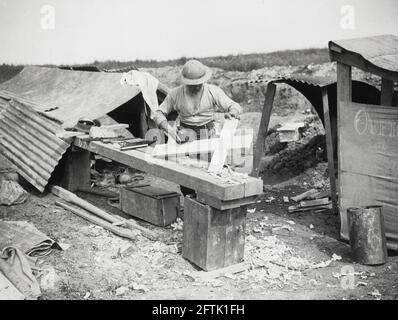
point(317, 201)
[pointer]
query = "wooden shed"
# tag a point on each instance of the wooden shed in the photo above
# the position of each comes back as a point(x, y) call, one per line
point(368, 133)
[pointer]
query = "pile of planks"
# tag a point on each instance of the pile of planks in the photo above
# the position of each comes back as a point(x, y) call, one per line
point(311, 200)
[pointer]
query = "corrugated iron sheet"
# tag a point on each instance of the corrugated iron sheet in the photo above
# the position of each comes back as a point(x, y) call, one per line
point(28, 140)
point(298, 78)
point(3, 104)
point(68, 95)
point(381, 51)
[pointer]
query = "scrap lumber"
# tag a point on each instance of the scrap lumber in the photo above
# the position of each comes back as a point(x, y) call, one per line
point(102, 223)
point(316, 202)
point(321, 194)
point(293, 209)
point(72, 198)
point(304, 195)
point(220, 154)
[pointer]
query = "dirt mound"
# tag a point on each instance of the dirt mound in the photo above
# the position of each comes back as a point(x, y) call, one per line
point(284, 160)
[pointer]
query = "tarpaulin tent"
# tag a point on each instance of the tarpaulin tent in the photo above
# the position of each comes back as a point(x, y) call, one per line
point(40, 102)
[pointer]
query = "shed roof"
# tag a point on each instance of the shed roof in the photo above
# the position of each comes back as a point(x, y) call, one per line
point(377, 54)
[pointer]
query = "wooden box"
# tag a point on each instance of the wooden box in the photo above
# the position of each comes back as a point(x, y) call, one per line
point(213, 238)
point(155, 205)
point(290, 132)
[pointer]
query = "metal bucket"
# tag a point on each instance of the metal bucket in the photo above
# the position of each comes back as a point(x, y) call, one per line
point(367, 235)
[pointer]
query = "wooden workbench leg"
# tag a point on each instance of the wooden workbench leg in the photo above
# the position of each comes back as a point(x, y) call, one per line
point(77, 169)
point(213, 238)
point(344, 93)
point(329, 149)
point(263, 129)
point(387, 92)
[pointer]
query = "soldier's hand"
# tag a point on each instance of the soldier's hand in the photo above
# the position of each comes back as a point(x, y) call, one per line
point(172, 133)
point(232, 114)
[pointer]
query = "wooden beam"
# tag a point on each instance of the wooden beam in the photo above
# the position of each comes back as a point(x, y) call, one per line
point(387, 92)
point(262, 132)
point(220, 154)
point(344, 93)
point(224, 205)
point(190, 177)
point(329, 149)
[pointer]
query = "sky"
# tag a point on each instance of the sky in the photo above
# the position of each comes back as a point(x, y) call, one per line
point(81, 31)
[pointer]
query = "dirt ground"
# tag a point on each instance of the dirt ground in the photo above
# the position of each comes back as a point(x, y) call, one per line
point(292, 256)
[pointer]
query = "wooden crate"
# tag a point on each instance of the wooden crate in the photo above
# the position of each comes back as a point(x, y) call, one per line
point(213, 238)
point(155, 205)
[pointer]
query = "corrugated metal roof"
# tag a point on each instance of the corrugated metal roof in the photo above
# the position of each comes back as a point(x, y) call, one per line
point(28, 140)
point(3, 104)
point(298, 78)
point(381, 51)
point(68, 95)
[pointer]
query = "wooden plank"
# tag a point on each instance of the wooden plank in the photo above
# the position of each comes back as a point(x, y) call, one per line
point(387, 92)
point(304, 195)
point(292, 209)
point(224, 205)
point(8, 291)
point(344, 93)
point(203, 146)
point(311, 203)
point(262, 133)
point(329, 149)
point(190, 177)
point(98, 221)
point(220, 153)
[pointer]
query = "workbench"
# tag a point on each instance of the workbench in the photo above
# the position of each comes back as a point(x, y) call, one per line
point(214, 222)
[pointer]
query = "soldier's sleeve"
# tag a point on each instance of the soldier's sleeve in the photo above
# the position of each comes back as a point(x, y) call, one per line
point(164, 109)
point(223, 102)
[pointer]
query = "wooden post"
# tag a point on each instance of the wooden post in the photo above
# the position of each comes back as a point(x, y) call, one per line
point(387, 92)
point(262, 132)
point(344, 93)
point(329, 148)
point(77, 169)
point(213, 238)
